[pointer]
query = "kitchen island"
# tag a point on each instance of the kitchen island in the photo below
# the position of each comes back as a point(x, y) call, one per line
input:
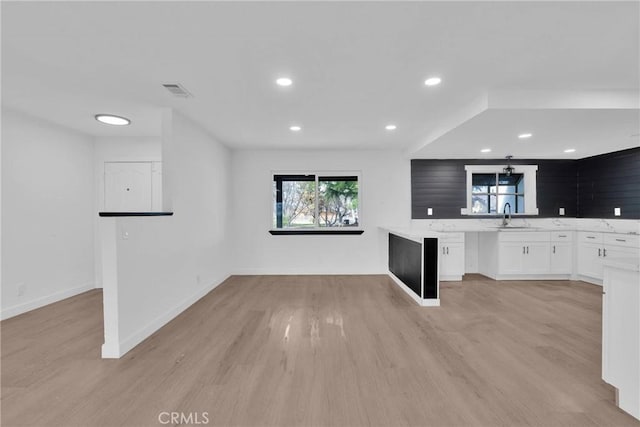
point(413, 264)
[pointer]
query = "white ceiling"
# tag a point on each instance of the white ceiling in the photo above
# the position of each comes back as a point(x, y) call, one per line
point(588, 131)
point(356, 66)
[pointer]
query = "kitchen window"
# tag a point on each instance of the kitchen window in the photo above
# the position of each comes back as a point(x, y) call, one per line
point(491, 191)
point(317, 203)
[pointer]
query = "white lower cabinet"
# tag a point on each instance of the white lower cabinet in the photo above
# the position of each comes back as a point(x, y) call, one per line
point(536, 258)
point(562, 250)
point(594, 248)
point(516, 255)
point(561, 258)
point(451, 256)
point(523, 253)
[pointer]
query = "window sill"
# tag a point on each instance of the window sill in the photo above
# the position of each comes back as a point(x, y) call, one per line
point(289, 232)
point(112, 214)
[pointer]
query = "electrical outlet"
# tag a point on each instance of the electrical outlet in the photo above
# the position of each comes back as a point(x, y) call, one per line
point(125, 235)
point(561, 211)
point(22, 289)
point(429, 211)
point(198, 279)
point(616, 211)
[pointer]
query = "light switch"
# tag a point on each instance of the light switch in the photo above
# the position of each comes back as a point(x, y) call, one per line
point(561, 212)
point(125, 235)
point(616, 211)
point(429, 211)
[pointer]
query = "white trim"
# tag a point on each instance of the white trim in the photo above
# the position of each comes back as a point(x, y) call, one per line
point(45, 300)
point(431, 302)
point(532, 277)
point(588, 279)
point(115, 350)
point(530, 186)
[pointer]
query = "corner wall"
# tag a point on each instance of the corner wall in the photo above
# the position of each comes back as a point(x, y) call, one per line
point(47, 213)
point(384, 201)
point(156, 267)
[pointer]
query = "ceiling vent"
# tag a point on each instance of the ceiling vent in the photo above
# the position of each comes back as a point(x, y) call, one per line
point(177, 89)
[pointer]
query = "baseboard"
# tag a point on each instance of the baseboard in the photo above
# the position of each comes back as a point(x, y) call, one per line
point(591, 280)
point(525, 277)
point(46, 300)
point(303, 272)
point(117, 350)
point(431, 302)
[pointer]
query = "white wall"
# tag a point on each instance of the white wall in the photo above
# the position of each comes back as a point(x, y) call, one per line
point(114, 149)
point(168, 263)
point(385, 199)
point(47, 213)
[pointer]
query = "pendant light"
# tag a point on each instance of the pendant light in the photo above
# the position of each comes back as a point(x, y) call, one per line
point(509, 169)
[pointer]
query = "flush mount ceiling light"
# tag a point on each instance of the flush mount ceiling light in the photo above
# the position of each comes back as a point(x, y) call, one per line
point(509, 169)
point(110, 119)
point(570, 150)
point(284, 81)
point(390, 127)
point(432, 81)
point(525, 135)
point(485, 150)
point(295, 128)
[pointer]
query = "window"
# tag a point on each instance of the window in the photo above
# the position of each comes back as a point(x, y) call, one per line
point(315, 201)
point(490, 191)
point(487, 197)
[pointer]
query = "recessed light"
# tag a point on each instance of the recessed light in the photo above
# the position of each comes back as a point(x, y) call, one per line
point(432, 81)
point(295, 128)
point(284, 81)
point(390, 127)
point(525, 135)
point(485, 150)
point(110, 119)
point(570, 150)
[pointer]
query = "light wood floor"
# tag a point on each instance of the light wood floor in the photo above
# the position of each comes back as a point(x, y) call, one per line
point(324, 351)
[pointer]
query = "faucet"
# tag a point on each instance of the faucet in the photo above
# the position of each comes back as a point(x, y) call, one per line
point(506, 222)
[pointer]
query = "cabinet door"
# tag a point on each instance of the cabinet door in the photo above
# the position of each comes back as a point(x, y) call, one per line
point(452, 261)
point(511, 257)
point(590, 260)
point(537, 258)
point(561, 257)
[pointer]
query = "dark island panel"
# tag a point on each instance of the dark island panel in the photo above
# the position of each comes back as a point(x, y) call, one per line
point(405, 262)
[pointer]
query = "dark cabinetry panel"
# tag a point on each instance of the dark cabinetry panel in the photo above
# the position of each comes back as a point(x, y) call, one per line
point(608, 181)
point(405, 261)
point(442, 185)
point(586, 188)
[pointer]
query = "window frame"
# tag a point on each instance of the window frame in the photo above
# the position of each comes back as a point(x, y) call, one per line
point(316, 229)
point(530, 175)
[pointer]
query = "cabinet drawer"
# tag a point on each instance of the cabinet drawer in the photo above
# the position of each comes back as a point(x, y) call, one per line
point(451, 237)
point(524, 236)
point(586, 236)
point(625, 240)
point(561, 236)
